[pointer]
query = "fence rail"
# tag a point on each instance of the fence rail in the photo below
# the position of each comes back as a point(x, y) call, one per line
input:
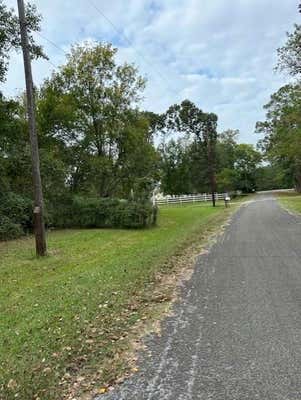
point(189, 198)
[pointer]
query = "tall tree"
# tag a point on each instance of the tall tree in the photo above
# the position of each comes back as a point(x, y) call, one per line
point(225, 148)
point(282, 130)
point(202, 127)
point(247, 160)
point(176, 165)
point(90, 106)
point(14, 149)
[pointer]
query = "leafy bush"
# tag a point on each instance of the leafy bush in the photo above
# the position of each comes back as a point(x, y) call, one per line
point(84, 212)
point(9, 230)
point(15, 215)
point(73, 212)
point(17, 208)
point(134, 215)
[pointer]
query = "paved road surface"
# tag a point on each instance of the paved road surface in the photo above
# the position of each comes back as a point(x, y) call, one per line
point(236, 333)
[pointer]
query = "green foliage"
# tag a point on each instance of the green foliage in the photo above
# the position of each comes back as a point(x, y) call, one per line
point(247, 160)
point(188, 118)
point(15, 177)
point(82, 212)
point(17, 208)
point(226, 149)
point(200, 129)
point(87, 110)
point(15, 164)
point(10, 34)
point(282, 130)
point(93, 142)
point(227, 180)
point(272, 177)
point(176, 168)
point(8, 229)
point(289, 58)
point(185, 165)
point(15, 215)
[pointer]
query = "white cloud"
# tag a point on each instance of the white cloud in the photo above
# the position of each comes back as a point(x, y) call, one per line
point(218, 53)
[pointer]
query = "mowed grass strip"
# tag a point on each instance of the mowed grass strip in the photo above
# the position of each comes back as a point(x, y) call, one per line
point(67, 314)
point(291, 201)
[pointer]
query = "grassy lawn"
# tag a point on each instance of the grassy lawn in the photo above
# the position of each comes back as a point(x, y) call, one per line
point(67, 315)
point(291, 201)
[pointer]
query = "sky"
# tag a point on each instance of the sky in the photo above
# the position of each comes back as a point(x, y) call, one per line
point(220, 54)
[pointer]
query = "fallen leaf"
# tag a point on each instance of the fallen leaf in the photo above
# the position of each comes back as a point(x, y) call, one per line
point(47, 370)
point(12, 384)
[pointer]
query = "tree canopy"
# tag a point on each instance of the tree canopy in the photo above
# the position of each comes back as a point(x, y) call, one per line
point(281, 142)
point(10, 34)
point(89, 105)
point(282, 130)
point(201, 127)
point(289, 59)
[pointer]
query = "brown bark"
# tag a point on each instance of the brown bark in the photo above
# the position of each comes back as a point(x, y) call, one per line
point(298, 182)
point(39, 227)
point(211, 170)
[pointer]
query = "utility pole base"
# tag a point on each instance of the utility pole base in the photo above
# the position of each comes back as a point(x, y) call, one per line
point(39, 232)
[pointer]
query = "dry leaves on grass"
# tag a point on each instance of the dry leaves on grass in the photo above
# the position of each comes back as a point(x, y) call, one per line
point(153, 305)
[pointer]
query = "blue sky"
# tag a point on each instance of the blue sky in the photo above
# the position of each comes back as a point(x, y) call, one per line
point(218, 53)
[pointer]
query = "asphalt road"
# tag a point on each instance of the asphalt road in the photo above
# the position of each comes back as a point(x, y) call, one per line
point(236, 332)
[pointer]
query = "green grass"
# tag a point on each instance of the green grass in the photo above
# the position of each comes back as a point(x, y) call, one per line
point(67, 314)
point(291, 201)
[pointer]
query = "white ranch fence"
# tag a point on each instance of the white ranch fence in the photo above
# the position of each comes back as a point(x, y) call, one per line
point(188, 198)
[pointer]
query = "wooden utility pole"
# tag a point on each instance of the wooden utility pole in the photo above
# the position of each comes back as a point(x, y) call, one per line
point(39, 227)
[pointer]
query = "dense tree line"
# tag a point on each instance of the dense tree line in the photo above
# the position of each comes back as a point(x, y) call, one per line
point(184, 165)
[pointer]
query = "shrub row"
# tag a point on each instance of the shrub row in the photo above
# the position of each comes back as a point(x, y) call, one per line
point(82, 212)
point(73, 212)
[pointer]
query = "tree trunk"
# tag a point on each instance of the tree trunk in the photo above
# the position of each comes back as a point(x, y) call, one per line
point(213, 190)
point(298, 175)
point(211, 170)
point(298, 182)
